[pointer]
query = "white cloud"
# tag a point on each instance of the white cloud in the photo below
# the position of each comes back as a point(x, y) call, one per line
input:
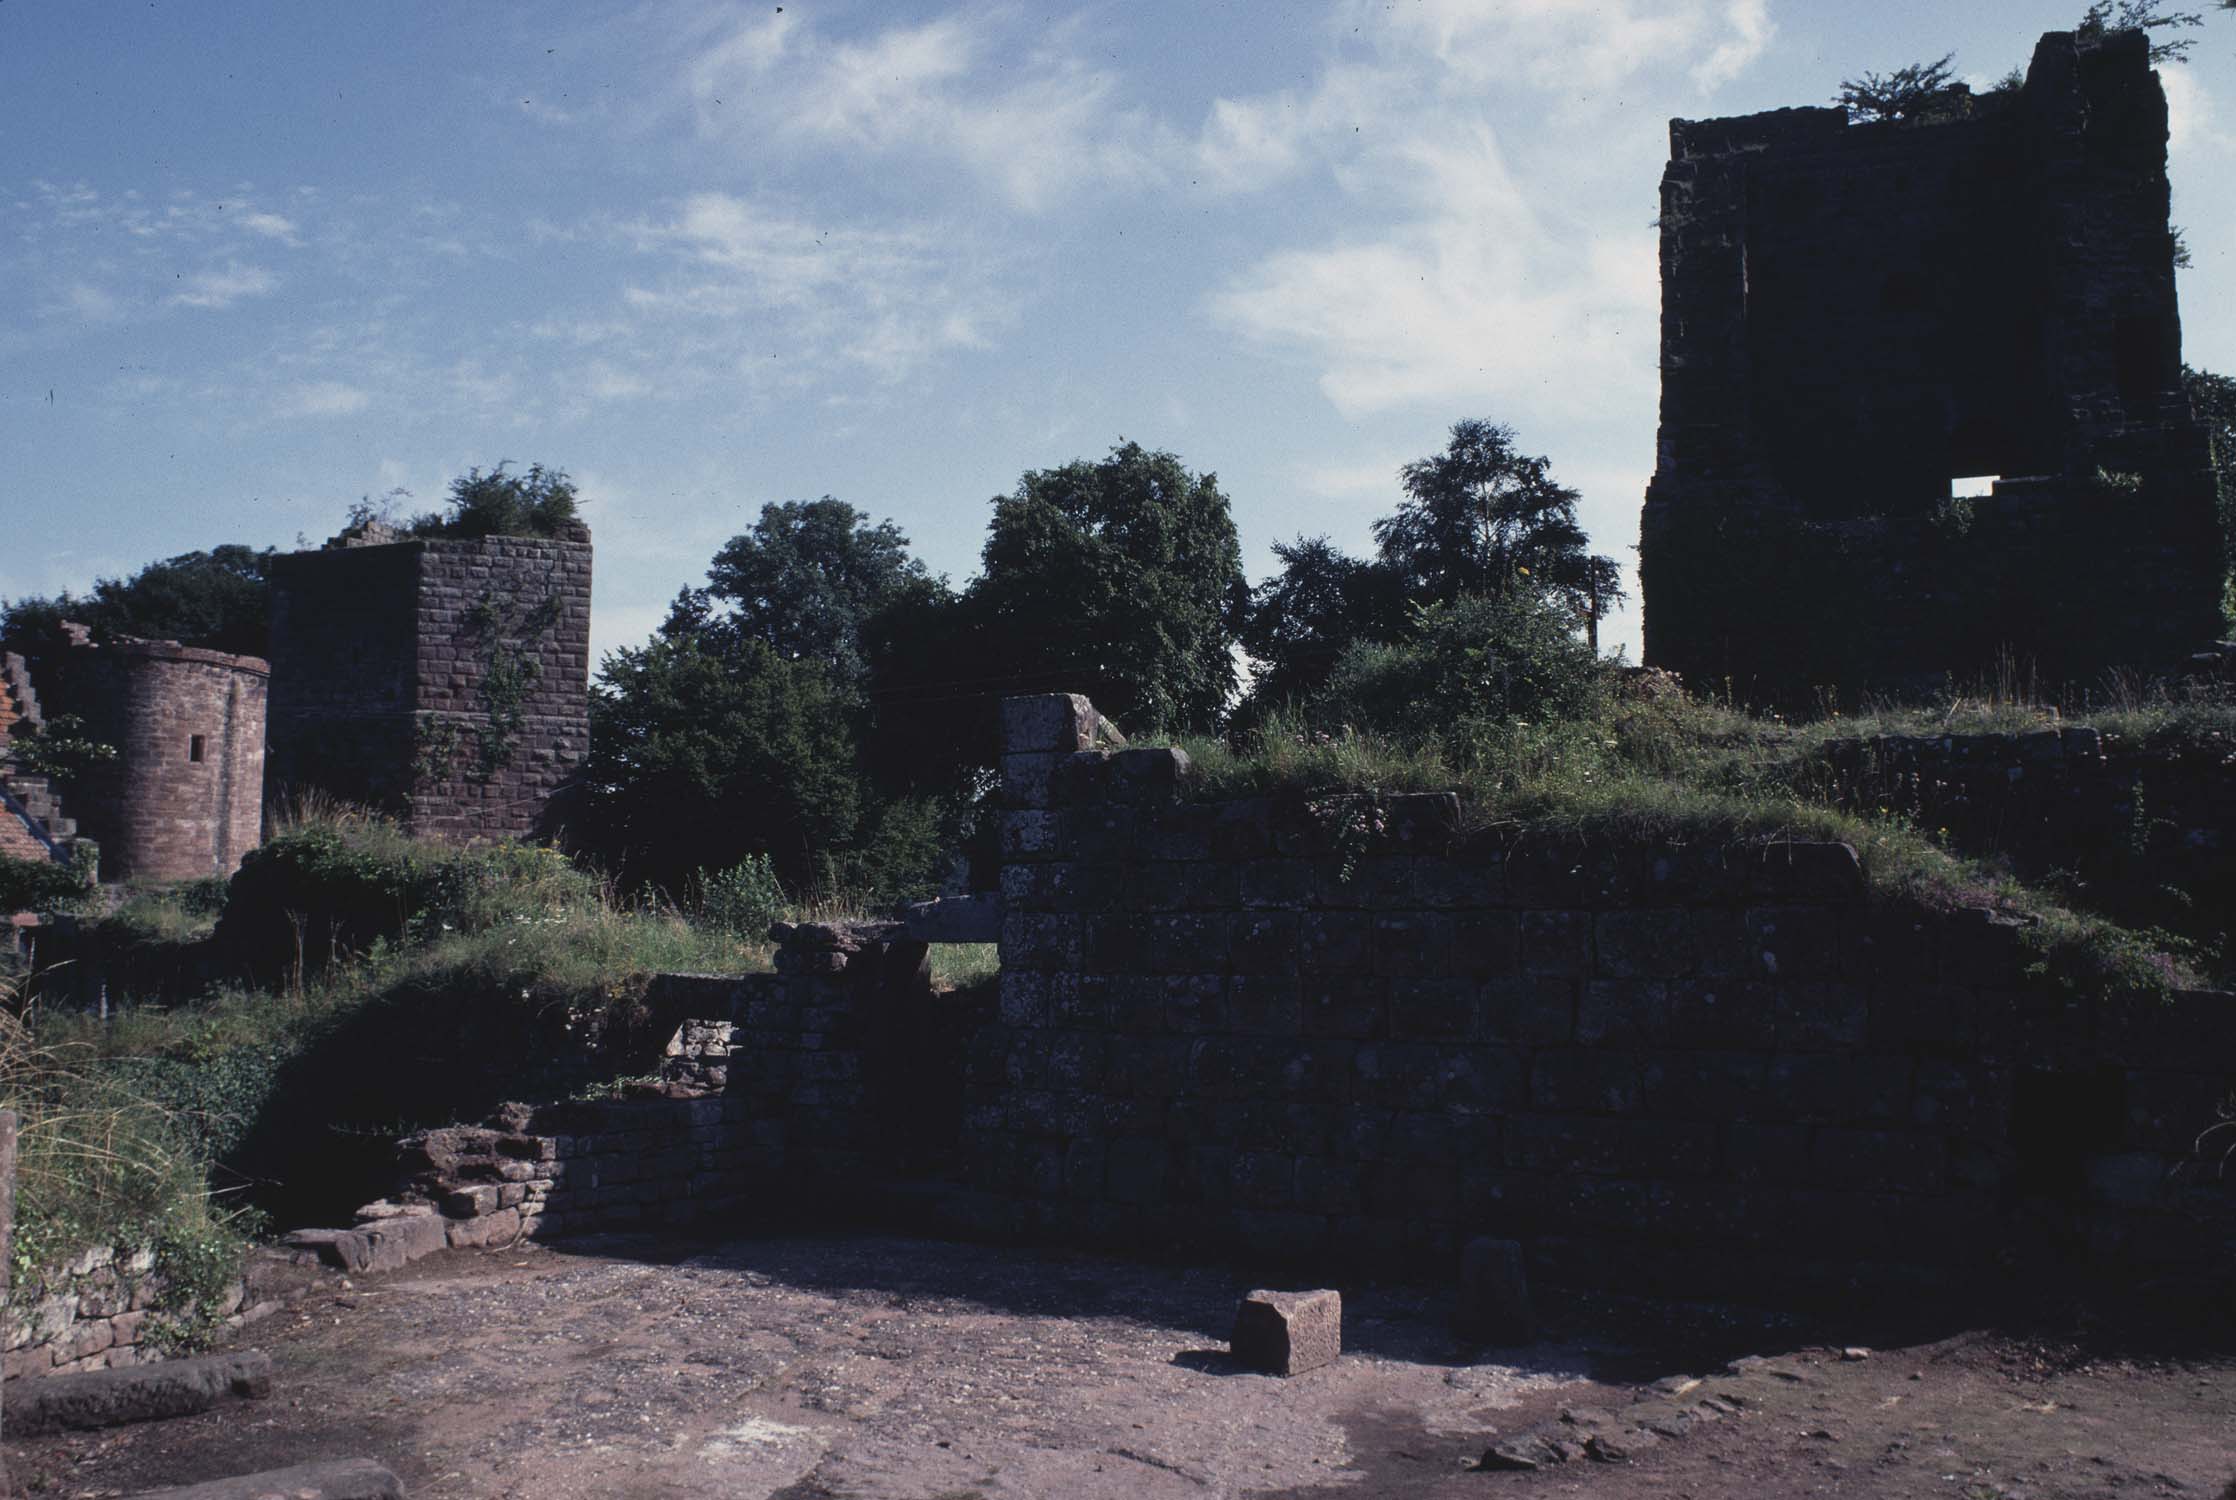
point(2192, 123)
point(325, 398)
point(1751, 30)
point(745, 281)
point(1250, 143)
point(1479, 298)
point(91, 303)
point(270, 226)
point(608, 383)
point(219, 289)
point(1581, 46)
point(1028, 114)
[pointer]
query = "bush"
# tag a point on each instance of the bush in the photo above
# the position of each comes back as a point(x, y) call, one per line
point(744, 900)
point(1473, 662)
point(335, 885)
point(98, 1162)
point(41, 885)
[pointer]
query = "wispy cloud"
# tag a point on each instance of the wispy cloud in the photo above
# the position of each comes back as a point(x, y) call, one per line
point(83, 300)
point(741, 279)
point(326, 398)
point(1022, 109)
point(2192, 122)
point(222, 288)
point(1482, 266)
point(270, 226)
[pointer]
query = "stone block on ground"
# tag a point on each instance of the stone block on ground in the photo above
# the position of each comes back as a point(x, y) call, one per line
point(342, 1479)
point(396, 1243)
point(1288, 1333)
point(1494, 1293)
point(347, 1249)
point(135, 1393)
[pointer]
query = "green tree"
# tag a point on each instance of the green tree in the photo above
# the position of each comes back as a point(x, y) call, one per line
point(1484, 518)
point(1902, 94)
point(807, 580)
point(1119, 578)
point(2145, 16)
point(220, 599)
point(700, 759)
point(496, 502)
point(1303, 618)
point(1469, 661)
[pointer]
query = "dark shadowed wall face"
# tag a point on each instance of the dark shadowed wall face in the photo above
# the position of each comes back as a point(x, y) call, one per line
point(1854, 317)
point(446, 682)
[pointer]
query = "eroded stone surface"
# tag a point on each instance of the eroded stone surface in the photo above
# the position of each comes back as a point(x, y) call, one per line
point(1289, 1333)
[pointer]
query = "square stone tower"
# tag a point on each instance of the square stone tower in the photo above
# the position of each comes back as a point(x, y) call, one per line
point(1855, 317)
point(443, 681)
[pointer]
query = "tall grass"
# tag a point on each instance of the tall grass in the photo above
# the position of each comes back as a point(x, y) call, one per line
point(1668, 768)
point(98, 1163)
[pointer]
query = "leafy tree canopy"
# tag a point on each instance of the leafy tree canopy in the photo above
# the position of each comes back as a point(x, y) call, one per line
point(1469, 660)
point(1483, 518)
point(806, 581)
point(1900, 95)
point(219, 599)
point(1120, 578)
point(1304, 617)
point(700, 759)
point(1911, 91)
point(496, 502)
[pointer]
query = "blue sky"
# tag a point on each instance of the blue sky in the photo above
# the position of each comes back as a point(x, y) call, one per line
point(263, 260)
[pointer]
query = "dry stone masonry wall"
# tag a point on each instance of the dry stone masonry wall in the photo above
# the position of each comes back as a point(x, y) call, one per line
point(1356, 1029)
point(1352, 1028)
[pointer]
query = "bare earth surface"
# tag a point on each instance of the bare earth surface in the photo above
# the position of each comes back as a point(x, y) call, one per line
point(899, 1369)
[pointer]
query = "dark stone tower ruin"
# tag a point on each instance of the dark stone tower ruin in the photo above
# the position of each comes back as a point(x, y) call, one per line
point(444, 681)
point(1856, 315)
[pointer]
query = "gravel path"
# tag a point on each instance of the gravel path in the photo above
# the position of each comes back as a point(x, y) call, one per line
point(882, 1368)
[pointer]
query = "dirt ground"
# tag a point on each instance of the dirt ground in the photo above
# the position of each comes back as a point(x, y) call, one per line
point(809, 1368)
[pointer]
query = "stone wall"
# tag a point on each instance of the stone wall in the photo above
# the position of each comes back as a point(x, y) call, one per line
point(575, 1168)
point(1853, 316)
point(444, 681)
point(1351, 1028)
point(184, 798)
point(114, 1306)
point(1358, 1030)
point(2115, 814)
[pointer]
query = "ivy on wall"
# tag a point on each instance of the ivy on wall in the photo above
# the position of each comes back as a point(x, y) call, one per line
point(509, 639)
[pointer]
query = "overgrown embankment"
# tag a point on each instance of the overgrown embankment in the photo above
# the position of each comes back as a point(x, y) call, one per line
point(371, 983)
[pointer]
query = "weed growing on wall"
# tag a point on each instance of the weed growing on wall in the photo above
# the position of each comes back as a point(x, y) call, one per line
point(509, 639)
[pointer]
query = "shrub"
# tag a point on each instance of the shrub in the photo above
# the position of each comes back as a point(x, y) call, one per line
point(744, 900)
point(1471, 662)
point(41, 885)
point(98, 1162)
point(333, 885)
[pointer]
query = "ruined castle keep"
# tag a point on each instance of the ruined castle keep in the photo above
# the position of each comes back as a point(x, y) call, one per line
point(1856, 315)
point(442, 680)
point(184, 796)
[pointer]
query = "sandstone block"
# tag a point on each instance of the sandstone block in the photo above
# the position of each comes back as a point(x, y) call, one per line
point(139, 1393)
point(1289, 1333)
point(396, 1243)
